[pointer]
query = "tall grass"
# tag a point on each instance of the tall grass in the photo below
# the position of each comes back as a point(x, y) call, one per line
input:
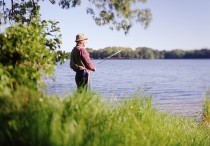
point(31, 119)
point(206, 113)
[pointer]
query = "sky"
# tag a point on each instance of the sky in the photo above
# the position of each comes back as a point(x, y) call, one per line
point(176, 24)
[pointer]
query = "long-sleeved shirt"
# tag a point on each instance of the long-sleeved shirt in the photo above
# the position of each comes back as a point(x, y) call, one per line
point(80, 59)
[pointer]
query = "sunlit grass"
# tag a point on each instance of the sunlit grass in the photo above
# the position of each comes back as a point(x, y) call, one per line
point(85, 119)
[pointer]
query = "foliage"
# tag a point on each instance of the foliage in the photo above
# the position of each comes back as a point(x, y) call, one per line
point(174, 54)
point(145, 53)
point(61, 56)
point(118, 14)
point(27, 11)
point(52, 35)
point(28, 118)
point(24, 58)
point(206, 113)
point(148, 53)
point(22, 11)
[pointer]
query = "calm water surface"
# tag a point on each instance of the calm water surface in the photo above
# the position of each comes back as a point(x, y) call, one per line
point(176, 86)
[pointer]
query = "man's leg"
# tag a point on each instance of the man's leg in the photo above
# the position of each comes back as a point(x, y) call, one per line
point(82, 80)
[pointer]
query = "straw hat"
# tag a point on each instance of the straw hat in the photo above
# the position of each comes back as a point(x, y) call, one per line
point(80, 37)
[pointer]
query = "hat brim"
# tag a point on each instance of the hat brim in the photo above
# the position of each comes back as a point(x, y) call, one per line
point(81, 40)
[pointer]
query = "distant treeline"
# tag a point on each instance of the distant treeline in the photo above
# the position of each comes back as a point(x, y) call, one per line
point(148, 53)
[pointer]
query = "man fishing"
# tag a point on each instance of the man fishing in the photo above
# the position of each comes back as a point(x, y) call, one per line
point(80, 62)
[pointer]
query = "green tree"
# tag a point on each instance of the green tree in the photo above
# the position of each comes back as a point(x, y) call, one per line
point(118, 14)
point(26, 11)
point(145, 53)
point(174, 54)
point(203, 53)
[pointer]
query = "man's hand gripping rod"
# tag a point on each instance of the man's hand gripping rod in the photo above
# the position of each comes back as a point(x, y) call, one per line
point(110, 56)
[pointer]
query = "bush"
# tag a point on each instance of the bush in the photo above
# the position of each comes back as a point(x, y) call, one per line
point(24, 58)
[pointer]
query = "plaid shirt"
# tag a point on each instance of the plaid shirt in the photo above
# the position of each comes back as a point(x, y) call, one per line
point(80, 59)
point(86, 59)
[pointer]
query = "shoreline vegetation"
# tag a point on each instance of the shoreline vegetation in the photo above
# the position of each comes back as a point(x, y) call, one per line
point(145, 53)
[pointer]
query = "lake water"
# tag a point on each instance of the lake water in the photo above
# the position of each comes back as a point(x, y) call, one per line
point(176, 86)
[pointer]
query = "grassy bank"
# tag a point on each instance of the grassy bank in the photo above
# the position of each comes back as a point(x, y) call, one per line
point(31, 119)
point(206, 113)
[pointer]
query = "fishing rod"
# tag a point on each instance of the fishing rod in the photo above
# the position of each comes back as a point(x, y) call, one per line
point(110, 56)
